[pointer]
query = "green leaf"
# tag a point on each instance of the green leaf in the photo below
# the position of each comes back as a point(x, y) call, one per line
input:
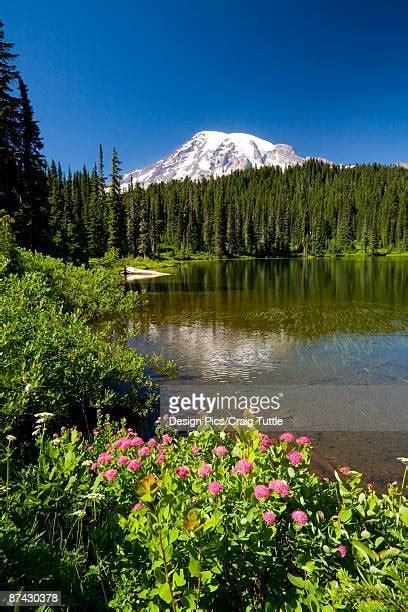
point(206, 576)
point(403, 512)
point(165, 593)
point(345, 515)
point(160, 575)
point(297, 581)
point(178, 578)
point(309, 566)
point(388, 553)
point(364, 550)
point(291, 472)
point(194, 566)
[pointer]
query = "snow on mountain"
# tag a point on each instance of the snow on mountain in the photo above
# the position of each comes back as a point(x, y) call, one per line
point(209, 154)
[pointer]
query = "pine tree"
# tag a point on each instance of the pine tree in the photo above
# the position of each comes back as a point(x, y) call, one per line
point(220, 222)
point(116, 212)
point(144, 237)
point(10, 130)
point(32, 218)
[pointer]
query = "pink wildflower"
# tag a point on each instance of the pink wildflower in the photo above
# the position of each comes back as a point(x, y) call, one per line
point(109, 475)
point(279, 486)
point(195, 450)
point(151, 442)
point(144, 451)
point(166, 438)
point(94, 466)
point(345, 470)
point(137, 441)
point(182, 471)
point(123, 460)
point(286, 437)
point(122, 443)
point(134, 465)
point(261, 492)
point(269, 518)
point(215, 487)
point(160, 458)
point(243, 467)
point(137, 506)
point(294, 457)
point(205, 470)
point(158, 420)
point(104, 458)
point(342, 550)
point(298, 516)
point(220, 451)
point(303, 440)
point(265, 441)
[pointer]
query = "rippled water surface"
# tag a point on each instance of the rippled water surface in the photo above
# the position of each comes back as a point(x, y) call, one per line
point(338, 321)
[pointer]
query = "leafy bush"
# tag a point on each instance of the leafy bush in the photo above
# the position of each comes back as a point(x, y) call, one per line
point(207, 521)
point(52, 360)
point(98, 293)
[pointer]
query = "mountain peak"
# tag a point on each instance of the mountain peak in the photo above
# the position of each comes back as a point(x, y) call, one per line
point(212, 153)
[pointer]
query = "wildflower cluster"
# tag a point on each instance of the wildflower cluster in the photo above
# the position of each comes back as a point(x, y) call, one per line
point(207, 490)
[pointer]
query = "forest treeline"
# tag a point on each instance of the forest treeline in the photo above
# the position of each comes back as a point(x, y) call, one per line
point(311, 209)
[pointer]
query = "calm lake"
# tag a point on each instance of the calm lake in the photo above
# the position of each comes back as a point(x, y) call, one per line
point(298, 321)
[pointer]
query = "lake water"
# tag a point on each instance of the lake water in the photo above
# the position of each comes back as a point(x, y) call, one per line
point(318, 321)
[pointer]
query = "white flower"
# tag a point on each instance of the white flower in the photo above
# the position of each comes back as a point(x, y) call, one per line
point(11, 438)
point(403, 460)
point(93, 496)
point(78, 513)
point(44, 415)
point(27, 387)
point(86, 462)
point(36, 432)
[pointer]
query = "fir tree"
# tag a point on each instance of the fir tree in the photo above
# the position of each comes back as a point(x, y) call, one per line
point(115, 210)
point(10, 129)
point(32, 218)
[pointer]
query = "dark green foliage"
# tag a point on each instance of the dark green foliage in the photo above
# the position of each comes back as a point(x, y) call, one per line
point(23, 185)
point(32, 216)
point(116, 210)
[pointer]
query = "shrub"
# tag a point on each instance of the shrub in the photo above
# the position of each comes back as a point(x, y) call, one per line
point(97, 293)
point(52, 360)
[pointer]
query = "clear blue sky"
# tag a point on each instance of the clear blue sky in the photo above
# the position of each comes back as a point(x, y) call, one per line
point(329, 77)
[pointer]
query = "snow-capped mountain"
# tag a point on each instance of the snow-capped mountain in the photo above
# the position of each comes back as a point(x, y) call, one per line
point(209, 154)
